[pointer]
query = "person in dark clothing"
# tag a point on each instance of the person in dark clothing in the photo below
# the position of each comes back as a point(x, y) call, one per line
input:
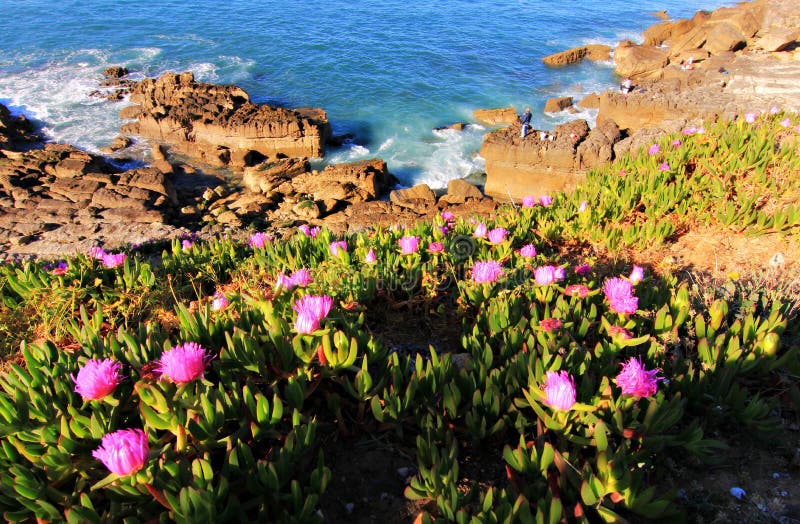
point(525, 120)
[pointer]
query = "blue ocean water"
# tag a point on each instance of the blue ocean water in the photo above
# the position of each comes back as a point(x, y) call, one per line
point(387, 71)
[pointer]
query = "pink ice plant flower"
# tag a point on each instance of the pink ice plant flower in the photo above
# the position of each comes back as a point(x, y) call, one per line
point(582, 207)
point(528, 251)
point(111, 260)
point(219, 302)
point(258, 240)
point(774, 110)
point(637, 381)
point(690, 130)
point(550, 324)
point(311, 309)
point(583, 269)
point(60, 269)
point(436, 247)
point(528, 201)
point(559, 388)
point(486, 271)
point(750, 117)
point(497, 235)
point(663, 166)
point(447, 216)
point(337, 246)
point(480, 231)
point(97, 378)
point(676, 143)
point(308, 231)
point(124, 451)
point(577, 290)
point(654, 149)
point(184, 363)
point(186, 244)
point(370, 257)
point(620, 332)
point(619, 293)
point(545, 275)
point(545, 200)
point(637, 274)
point(409, 245)
point(96, 252)
point(786, 122)
point(302, 277)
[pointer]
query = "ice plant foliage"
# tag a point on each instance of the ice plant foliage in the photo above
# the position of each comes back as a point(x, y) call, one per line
point(637, 381)
point(550, 324)
point(559, 388)
point(486, 271)
point(619, 293)
point(184, 363)
point(409, 245)
point(123, 452)
point(311, 309)
point(97, 378)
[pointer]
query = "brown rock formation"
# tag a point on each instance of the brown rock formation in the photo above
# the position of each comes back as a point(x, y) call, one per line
point(493, 117)
point(576, 54)
point(638, 61)
point(219, 125)
point(554, 105)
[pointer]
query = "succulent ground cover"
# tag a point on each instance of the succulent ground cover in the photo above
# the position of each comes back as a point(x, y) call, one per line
point(206, 382)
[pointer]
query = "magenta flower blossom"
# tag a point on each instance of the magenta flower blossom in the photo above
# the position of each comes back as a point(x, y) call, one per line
point(284, 282)
point(111, 260)
point(309, 231)
point(96, 252)
point(409, 245)
point(497, 235)
point(528, 201)
point(186, 244)
point(637, 274)
point(185, 363)
point(444, 229)
point(258, 240)
point(219, 302)
point(60, 269)
point(488, 271)
point(302, 277)
point(774, 110)
point(123, 452)
point(545, 200)
point(750, 117)
point(480, 231)
point(97, 379)
point(582, 207)
point(583, 269)
point(690, 130)
point(447, 216)
point(786, 122)
point(311, 309)
point(550, 324)
point(548, 274)
point(528, 251)
point(577, 290)
point(620, 332)
point(619, 293)
point(337, 246)
point(370, 257)
point(436, 247)
point(676, 143)
point(637, 381)
point(559, 388)
point(654, 149)
point(701, 130)
point(663, 166)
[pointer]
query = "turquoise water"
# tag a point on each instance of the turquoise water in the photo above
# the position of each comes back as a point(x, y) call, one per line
point(386, 71)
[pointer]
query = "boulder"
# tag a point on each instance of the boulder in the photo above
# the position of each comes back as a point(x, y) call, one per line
point(493, 117)
point(419, 198)
point(265, 177)
point(459, 191)
point(777, 39)
point(590, 101)
point(554, 105)
point(723, 37)
point(632, 60)
point(598, 148)
point(349, 182)
point(661, 14)
point(576, 54)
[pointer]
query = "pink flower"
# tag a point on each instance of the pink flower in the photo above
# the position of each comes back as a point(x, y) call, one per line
point(185, 363)
point(774, 110)
point(258, 240)
point(310, 310)
point(528, 251)
point(186, 244)
point(436, 247)
point(528, 201)
point(309, 231)
point(96, 252)
point(798, 128)
point(637, 274)
point(444, 229)
point(284, 282)
point(619, 293)
point(219, 302)
point(488, 271)
point(60, 269)
point(337, 246)
point(97, 379)
point(111, 260)
point(582, 207)
point(750, 117)
point(302, 277)
point(583, 269)
point(690, 130)
point(620, 332)
point(786, 122)
point(701, 130)
point(559, 388)
point(550, 324)
point(637, 381)
point(447, 216)
point(663, 166)
point(545, 200)
point(497, 235)
point(123, 452)
point(654, 149)
point(676, 143)
point(577, 290)
point(480, 231)
point(370, 257)
point(408, 245)
point(548, 274)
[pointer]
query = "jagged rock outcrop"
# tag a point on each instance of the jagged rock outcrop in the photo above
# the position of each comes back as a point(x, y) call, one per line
point(554, 105)
point(493, 117)
point(218, 125)
point(576, 54)
point(638, 61)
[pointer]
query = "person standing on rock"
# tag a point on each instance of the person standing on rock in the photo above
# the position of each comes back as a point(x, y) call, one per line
point(525, 120)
